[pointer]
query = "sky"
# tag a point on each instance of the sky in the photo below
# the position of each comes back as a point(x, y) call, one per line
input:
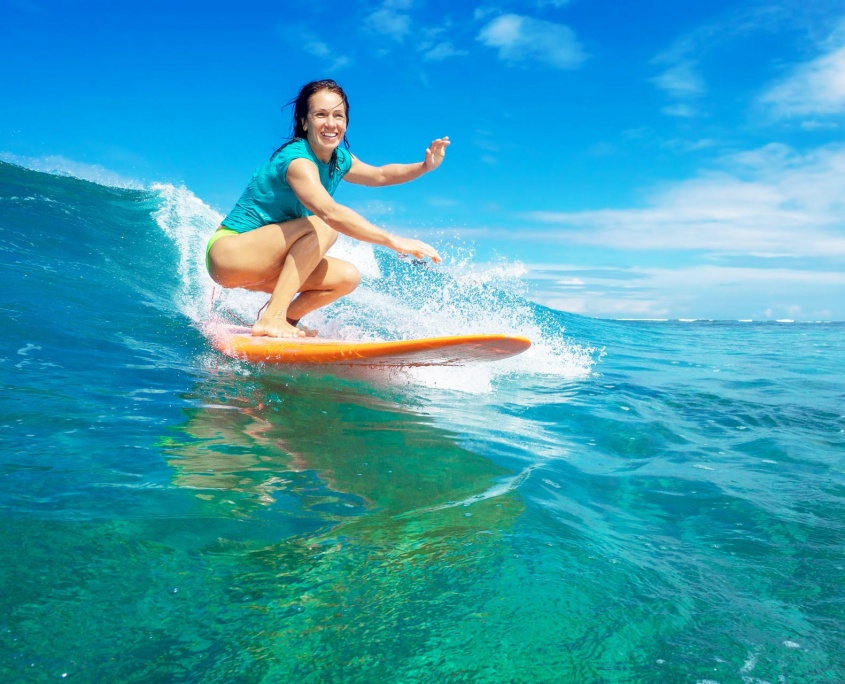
point(641, 160)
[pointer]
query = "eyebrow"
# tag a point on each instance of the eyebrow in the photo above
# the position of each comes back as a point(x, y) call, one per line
point(325, 109)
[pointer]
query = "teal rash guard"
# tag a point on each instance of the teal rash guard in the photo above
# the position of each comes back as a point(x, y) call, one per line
point(269, 199)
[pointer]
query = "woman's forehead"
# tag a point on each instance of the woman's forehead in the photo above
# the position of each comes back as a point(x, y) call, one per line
point(325, 99)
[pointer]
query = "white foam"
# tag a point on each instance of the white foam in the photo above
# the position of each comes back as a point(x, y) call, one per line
point(189, 222)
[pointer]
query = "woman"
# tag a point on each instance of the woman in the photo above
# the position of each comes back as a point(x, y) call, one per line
point(276, 238)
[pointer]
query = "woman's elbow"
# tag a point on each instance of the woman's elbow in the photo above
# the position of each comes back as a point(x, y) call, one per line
point(331, 214)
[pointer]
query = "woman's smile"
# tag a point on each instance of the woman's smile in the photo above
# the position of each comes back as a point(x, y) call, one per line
point(326, 123)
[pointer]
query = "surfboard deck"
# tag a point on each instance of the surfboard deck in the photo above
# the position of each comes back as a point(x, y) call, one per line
point(237, 342)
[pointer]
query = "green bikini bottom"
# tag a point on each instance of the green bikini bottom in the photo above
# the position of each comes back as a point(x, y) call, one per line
point(219, 233)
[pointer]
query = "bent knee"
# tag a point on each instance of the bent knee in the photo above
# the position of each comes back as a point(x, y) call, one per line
point(349, 276)
point(326, 235)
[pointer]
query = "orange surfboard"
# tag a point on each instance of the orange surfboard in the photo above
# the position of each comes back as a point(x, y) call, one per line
point(237, 342)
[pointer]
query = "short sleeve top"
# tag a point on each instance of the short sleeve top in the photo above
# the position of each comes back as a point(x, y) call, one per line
point(269, 199)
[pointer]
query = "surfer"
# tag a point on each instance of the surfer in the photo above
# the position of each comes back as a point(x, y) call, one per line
point(276, 238)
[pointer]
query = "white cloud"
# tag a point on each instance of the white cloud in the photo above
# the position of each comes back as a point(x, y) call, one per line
point(681, 77)
point(704, 291)
point(388, 20)
point(571, 282)
point(441, 51)
point(299, 36)
point(683, 111)
point(681, 80)
point(771, 200)
point(815, 88)
point(763, 236)
point(518, 38)
point(433, 43)
point(314, 46)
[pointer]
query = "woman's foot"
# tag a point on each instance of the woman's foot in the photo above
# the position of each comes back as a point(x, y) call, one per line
point(276, 326)
point(309, 332)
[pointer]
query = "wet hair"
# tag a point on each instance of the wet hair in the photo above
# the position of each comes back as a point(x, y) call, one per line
point(300, 112)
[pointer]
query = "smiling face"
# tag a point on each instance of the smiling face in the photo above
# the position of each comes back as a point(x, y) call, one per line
point(325, 124)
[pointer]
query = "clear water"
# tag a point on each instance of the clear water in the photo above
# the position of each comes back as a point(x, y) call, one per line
point(626, 502)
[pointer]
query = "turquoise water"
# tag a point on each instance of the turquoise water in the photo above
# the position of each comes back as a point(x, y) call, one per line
point(626, 502)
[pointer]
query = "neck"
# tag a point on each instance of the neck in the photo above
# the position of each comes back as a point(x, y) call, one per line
point(322, 155)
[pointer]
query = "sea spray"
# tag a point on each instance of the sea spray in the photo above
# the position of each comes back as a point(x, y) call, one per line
point(399, 298)
point(188, 222)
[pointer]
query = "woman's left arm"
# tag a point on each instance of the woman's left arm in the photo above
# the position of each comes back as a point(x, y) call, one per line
point(393, 174)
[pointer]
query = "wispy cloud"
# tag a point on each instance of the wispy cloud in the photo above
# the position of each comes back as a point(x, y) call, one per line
point(771, 200)
point(519, 38)
point(681, 64)
point(814, 88)
point(704, 291)
point(440, 51)
point(391, 19)
point(314, 46)
point(681, 79)
point(300, 36)
point(435, 45)
point(684, 111)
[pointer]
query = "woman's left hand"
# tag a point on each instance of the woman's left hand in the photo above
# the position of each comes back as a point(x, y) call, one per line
point(435, 153)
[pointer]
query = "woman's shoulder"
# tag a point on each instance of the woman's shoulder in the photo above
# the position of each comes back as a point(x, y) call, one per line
point(297, 147)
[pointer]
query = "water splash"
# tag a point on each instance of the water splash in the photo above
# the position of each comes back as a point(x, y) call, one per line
point(188, 222)
point(397, 299)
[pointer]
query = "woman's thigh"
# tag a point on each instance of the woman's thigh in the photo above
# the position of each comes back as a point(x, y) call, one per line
point(248, 259)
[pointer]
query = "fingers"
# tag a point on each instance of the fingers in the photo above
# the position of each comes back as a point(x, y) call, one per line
point(439, 146)
point(429, 252)
point(436, 152)
point(418, 249)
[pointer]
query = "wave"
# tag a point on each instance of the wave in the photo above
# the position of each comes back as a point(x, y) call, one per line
point(398, 299)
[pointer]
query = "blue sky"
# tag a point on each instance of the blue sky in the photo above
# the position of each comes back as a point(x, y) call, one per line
point(643, 160)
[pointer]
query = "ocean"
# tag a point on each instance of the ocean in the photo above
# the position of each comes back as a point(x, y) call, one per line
point(628, 501)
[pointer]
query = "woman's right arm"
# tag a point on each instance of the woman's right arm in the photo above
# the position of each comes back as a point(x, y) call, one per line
point(304, 180)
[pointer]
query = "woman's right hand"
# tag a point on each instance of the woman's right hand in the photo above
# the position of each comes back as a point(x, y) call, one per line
point(416, 248)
